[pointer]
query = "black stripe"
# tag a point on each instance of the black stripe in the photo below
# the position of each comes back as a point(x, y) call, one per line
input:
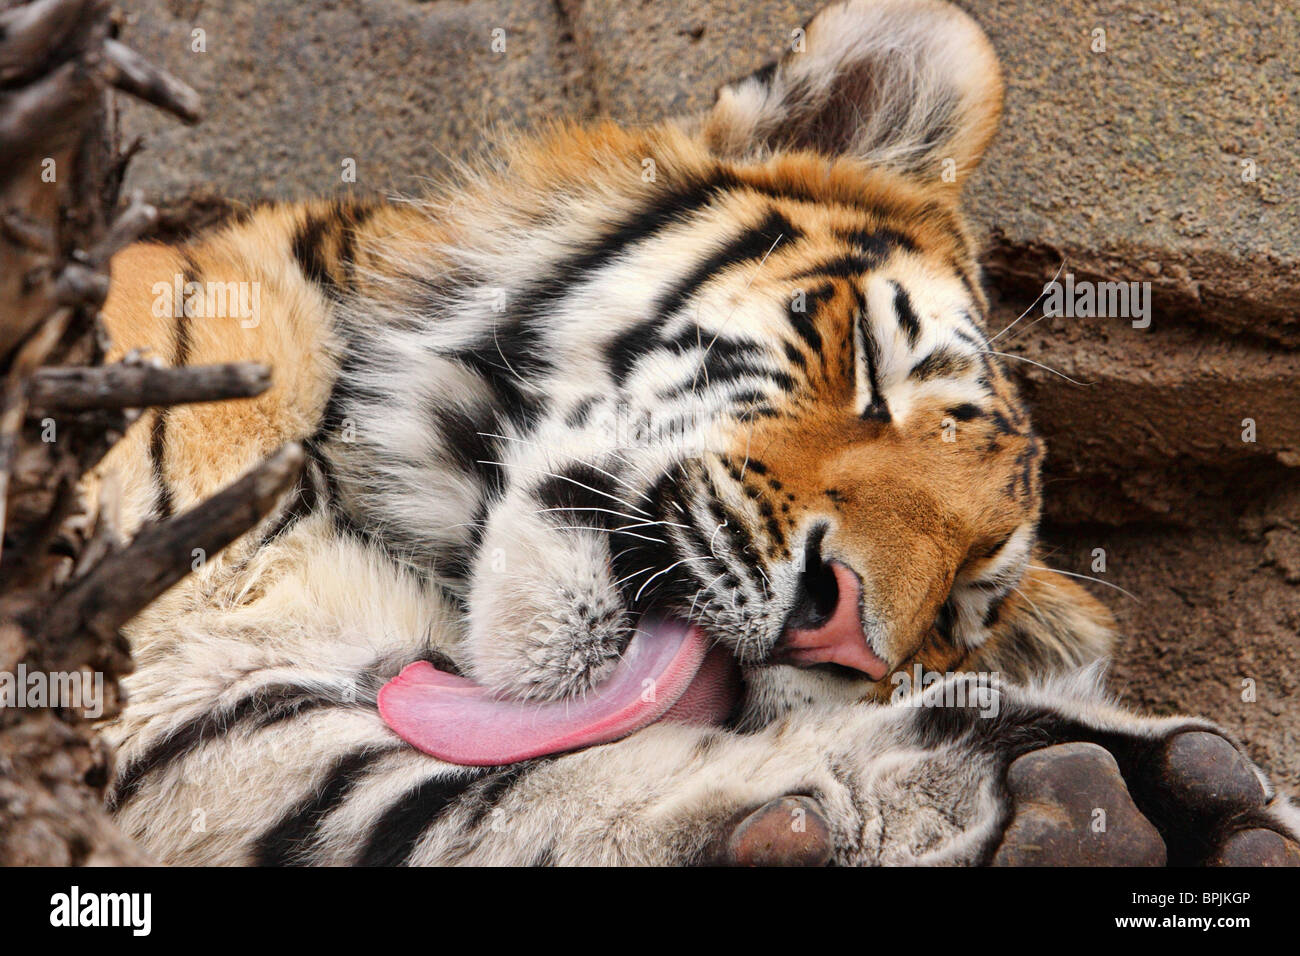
point(754, 243)
point(488, 796)
point(994, 610)
point(263, 707)
point(505, 359)
point(907, 319)
point(848, 266)
point(965, 412)
point(157, 457)
point(339, 223)
point(190, 273)
point(671, 206)
point(800, 192)
point(725, 362)
point(803, 321)
point(353, 215)
point(877, 409)
point(878, 243)
point(939, 363)
point(307, 247)
point(630, 346)
point(395, 835)
point(287, 842)
point(466, 440)
point(578, 505)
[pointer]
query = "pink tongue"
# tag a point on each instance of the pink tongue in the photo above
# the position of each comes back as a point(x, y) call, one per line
point(456, 720)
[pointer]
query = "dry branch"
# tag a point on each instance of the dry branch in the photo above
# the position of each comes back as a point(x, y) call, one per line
point(129, 72)
point(134, 221)
point(127, 581)
point(67, 582)
point(141, 386)
point(28, 33)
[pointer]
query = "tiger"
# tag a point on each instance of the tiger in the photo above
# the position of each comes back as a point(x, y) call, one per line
point(662, 486)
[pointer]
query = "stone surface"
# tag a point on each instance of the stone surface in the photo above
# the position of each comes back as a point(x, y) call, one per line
point(1129, 162)
point(650, 59)
point(1205, 628)
point(290, 90)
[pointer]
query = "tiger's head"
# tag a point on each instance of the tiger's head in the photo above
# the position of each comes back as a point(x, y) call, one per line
point(871, 499)
point(743, 366)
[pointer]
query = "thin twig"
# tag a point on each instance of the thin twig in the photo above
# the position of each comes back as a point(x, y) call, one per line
point(131, 73)
point(93, 610)
point(142, 386)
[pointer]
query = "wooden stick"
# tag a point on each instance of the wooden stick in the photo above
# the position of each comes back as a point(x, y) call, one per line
point(29, 33)
point(33, 236)
point(80, 286)
point(138, 217)
point(43, 116)
point(131, 73)
point(127, 385)
point(13, 398)
point(91, 613)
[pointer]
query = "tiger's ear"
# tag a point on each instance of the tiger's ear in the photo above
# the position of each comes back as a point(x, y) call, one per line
point(910, 84)
point(1048, 625)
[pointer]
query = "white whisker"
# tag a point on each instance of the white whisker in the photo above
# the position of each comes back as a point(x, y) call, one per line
point(661, 574)
point(1038, 299)
point(607, 474)
point(610, 511)
point(572, 481)
point(586, 527)
point(1085, 577)
point(1046, 368)
point(706, 587)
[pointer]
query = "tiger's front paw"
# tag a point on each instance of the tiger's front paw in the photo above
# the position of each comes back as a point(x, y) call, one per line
point(1193, 799)
point(546, 630)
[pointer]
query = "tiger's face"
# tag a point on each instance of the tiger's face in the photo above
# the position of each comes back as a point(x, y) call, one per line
point(873, 501)
point(870, 497)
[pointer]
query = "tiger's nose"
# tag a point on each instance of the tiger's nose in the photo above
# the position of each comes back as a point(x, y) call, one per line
point(825, 625)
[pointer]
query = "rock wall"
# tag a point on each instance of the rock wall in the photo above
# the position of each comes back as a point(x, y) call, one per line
point(1142, 142)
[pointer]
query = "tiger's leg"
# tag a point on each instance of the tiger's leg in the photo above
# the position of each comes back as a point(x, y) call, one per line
point(269, 770)
point(239, 752)
point(546, 617)
point(548, 610)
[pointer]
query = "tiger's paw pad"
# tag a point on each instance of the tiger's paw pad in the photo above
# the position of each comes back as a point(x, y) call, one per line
point(1208, 801)
point(1072, 808)
point(1256, 847)
point(788, 831)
